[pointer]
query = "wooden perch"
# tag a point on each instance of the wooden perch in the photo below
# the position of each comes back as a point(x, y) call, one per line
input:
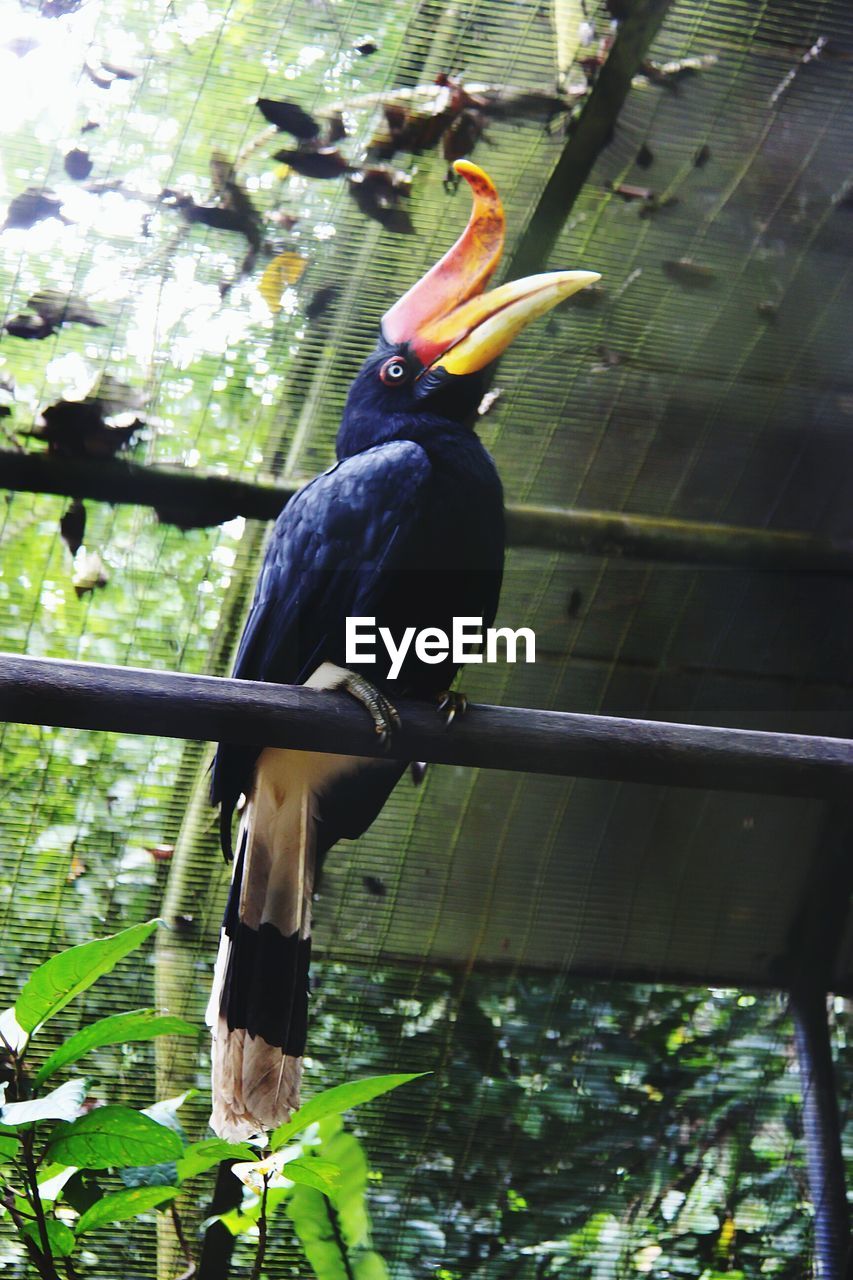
point(132, 700)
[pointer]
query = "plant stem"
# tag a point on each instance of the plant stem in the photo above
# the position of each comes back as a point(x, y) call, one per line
point(262, 1236)
point(43, 1265)
point(38, 1208)
point(180, 1235)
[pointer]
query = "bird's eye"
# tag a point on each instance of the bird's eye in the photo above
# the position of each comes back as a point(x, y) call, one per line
point(394, 372)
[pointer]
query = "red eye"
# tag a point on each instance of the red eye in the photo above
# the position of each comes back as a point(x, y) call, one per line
point(394, 372)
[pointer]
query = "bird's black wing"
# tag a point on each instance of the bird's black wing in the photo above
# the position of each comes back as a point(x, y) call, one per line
point(329, 552)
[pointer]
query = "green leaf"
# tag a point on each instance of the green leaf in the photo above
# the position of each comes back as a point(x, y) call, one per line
point(164, 1173)
point(198, 1157)
point(8, 1146)
point(141, 1024)
point(124, 1205)
point(113, 1137)
point(60, 1237)
point(349, 1195)
point(60, 1104)
point(369, 1266)
point(308, 1210)
point(337, 1100)
point(312, 1171)
point(55, 983)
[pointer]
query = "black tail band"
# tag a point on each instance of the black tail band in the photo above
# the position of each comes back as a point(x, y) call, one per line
point(266, 990)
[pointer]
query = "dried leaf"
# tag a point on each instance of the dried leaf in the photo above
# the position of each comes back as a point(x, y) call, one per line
point(321, 300)
point(104, 72)
point(160, 852)
point(335, 128)
point(78, 429)
point(462, 136)
point(78, 164)
point(57, 308)
point(289, 118)
point(668, 74)
point(72, 526)
point(689, 273)
point(76, 868)
point(116, 397)
point(284, 270)
point(27, 325)
point(325, 162)
point(120, 73)
point(378, 191)
point(214, 215)
point(31, 206)
point(89, 574)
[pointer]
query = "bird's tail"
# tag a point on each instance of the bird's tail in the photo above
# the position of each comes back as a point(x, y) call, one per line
point(259, 1004)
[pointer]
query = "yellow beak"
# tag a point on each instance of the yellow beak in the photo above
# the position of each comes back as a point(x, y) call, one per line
point(446, 319)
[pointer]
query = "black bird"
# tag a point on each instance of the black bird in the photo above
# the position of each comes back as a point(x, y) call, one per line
point(406, 528)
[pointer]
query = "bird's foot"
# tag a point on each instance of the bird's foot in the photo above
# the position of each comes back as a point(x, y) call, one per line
point(383, 713)
point(452, 704)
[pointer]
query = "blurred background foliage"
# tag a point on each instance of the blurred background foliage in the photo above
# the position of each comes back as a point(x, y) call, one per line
point(572, 1128)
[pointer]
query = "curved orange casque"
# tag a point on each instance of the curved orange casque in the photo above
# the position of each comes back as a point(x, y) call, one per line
point(447, 320)
point(460, 275)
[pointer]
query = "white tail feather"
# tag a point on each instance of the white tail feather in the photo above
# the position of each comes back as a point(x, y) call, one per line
point(256, 1084)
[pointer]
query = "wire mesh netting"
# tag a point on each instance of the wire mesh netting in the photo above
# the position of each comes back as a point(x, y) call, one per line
point(513, 934)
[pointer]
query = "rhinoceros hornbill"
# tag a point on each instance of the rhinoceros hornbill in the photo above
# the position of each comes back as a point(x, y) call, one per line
point(407, 528)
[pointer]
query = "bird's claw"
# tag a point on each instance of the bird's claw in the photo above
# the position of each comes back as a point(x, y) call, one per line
point(382, 712)
point(452, 704)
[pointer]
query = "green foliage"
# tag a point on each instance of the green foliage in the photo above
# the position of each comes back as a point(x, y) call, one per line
point(60, 1237)
point(105, 1138)
point(198, 1157)
point(119, 1028)
point(335, 1101)
point(123, 1205)
point(112, 1137)
point(148, 1150)
point(55, 983)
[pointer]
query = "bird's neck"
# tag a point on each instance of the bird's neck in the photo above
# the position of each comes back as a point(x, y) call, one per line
point(364, 431)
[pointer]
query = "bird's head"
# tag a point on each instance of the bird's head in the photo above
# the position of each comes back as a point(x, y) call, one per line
point(437, 340)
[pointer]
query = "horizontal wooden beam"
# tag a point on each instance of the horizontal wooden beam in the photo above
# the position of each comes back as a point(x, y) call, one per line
point(193, 499)
point(132, 700)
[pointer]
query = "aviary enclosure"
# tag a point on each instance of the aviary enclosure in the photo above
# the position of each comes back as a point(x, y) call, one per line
point(609, 931)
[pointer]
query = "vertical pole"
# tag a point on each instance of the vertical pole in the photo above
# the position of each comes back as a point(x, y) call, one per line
point(821, 1130)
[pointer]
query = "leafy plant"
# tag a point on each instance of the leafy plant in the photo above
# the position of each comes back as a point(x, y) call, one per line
point(47, 1185)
